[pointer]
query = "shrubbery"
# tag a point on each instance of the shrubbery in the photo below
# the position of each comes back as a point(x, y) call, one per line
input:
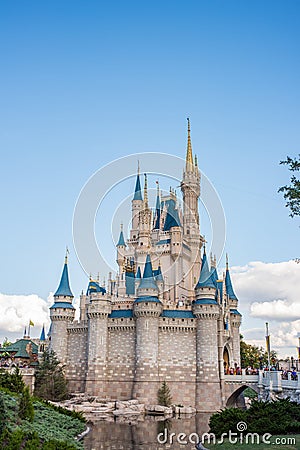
point(277, 417)
point(32, 424)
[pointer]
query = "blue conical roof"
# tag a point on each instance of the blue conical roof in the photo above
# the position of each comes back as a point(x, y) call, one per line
point(138, 273)
point(43, 337)
point(138, 191)
point(64, 286)
point(172, 218)
point(158, 274)
point(205, 279)
point(157, 214)
point(121, 240)
point(228, 284)
point(148, 281)
point(214, 275)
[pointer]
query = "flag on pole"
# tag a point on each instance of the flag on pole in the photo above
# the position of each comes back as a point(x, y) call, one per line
point(31, 324)
point(267, 338)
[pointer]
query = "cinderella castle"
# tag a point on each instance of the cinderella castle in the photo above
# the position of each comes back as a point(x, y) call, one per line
point(167, 315)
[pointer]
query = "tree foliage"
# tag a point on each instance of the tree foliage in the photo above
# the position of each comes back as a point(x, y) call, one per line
point(50, 381)
point(26, 410)
point(6, 343)
point(275, 417)
point(164, 395)
point(291, 192)
point(12, 381)
point(255, 357)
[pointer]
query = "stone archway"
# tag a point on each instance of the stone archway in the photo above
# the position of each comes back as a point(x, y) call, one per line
point(235, 399)
point(226, 359)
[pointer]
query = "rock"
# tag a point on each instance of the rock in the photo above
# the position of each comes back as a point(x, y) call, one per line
point(158, 409)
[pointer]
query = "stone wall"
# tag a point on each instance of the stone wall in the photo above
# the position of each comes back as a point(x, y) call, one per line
point(121, 358)
point(77, 357)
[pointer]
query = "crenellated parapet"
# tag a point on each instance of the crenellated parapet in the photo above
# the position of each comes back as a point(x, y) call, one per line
point(98, 309)
point(150, 307)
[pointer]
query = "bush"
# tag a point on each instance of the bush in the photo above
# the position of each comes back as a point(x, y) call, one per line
point(26, 410)
point(12, 381)
point(275, 417)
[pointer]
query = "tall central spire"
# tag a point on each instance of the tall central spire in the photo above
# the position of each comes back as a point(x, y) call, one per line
point(189, 152)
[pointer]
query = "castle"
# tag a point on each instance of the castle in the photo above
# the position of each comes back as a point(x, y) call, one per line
point(166, 317)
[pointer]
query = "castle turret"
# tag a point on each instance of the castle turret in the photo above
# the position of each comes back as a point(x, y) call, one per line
point(235, 317)
point(121, 260)
point(207, 311)
point(147, 309)
point(136, 208)
point(62, 312)
point(98, 309)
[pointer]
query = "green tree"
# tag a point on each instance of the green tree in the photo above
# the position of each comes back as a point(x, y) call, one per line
point(50, 381)
point(164, 395)
point(6, 343)
point(254, 356)
point(26, 410)
point(291, 192)
point(12, 381)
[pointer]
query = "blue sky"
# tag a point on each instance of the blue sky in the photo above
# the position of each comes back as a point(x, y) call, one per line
point(83, 83)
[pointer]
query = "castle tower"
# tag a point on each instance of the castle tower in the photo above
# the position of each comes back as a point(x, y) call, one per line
point(62, 312)
point(190, 187)
point(235, 318)
point(207, 311)
point(147, 309)
point(136, 208)
point(98, 310)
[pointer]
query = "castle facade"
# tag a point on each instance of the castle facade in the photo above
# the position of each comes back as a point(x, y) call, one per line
point(167, 315)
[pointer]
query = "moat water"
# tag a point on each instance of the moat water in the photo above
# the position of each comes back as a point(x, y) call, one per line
point(142, 433)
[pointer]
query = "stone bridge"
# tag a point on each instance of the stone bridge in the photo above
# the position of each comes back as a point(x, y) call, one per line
point(268, 385)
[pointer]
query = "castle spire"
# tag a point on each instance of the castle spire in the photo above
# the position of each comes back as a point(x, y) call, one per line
point(138, 191)
point(228, 283)
point(121, 241)
point(189, 153)
point(64, 289)
point(148, 280)
point(205, 279)
point(157, 209)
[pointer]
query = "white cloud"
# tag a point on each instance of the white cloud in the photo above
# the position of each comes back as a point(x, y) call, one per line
point(17, 310)
point(270, 292)
point(276, 310)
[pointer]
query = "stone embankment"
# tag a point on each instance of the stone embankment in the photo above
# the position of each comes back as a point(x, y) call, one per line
point(94, 408)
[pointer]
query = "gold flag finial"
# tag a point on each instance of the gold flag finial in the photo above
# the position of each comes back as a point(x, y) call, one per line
point(226, 261)
point(189, 152)
point(138, 171)
point(146, 192)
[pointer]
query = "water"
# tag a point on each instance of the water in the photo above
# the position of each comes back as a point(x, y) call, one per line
point(140, 433)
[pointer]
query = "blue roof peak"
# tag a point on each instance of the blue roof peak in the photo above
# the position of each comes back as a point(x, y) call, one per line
point(94, 287)
point(42, 336)
point(64, 289)
point(138, 273)
point(205, 279)
point(228, 284)
point(138, 191)
point(148, 280)
point(172, 218)
point(121, 241)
